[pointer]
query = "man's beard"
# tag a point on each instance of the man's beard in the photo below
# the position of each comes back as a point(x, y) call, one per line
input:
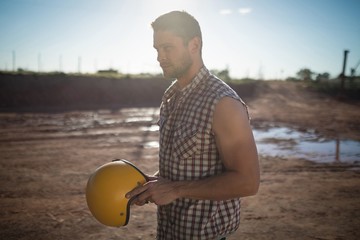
point(177, 71)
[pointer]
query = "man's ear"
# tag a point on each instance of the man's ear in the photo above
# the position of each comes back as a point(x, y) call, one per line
point(195, 45)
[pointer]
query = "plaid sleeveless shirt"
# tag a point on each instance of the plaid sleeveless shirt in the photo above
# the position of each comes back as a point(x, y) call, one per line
point(188, 152)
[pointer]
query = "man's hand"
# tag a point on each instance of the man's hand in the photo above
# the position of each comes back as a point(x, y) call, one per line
point(159, 191)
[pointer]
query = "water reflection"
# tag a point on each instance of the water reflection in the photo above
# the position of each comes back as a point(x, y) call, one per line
point(138, 119)
point(152, 128)
point(152, 144)
point(285, 142)
point(138, 126)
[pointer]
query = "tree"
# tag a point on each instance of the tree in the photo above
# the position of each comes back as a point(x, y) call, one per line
point(222, 74)
point(322, 77)
point(305, 74)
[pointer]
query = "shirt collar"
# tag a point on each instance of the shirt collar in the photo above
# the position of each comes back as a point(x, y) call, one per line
point(174, 89)
point(195, 82)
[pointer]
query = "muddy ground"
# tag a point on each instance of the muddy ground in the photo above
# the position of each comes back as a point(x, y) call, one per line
point(46, 160)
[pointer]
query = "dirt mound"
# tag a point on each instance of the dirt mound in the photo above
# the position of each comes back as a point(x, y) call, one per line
point(275, 101)
point(55, 92)
point(296, 104)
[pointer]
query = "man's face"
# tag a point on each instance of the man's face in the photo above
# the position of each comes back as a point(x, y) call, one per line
point(172, 54)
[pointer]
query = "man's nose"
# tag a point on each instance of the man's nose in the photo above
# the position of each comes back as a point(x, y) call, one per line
point(160, 56)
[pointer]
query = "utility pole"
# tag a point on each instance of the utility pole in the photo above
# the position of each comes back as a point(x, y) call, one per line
point(95, 65)
point(261, 73)
point(342, 75)
point(14, 60)
point(60, 63)
point(39, 62)
point(79, 64)
point(353, 70)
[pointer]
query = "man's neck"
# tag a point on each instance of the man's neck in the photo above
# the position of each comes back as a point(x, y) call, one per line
point(186, 79)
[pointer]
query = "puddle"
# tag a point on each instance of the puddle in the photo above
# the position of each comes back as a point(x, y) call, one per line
point(152, 128)
point(138, 119)
point(288, 142)
point(140, 123)
point(285, 142)
point(152, 144)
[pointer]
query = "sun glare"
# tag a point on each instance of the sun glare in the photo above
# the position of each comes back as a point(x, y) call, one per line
point(244, 11)
point(162, 6)
point(225, 11)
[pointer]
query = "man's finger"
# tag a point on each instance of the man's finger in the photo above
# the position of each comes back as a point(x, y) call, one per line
point(136, 192)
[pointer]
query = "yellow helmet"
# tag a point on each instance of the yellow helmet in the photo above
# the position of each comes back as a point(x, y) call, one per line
point(106, 189)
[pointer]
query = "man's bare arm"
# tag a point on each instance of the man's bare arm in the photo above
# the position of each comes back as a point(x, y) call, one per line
point(238, 152)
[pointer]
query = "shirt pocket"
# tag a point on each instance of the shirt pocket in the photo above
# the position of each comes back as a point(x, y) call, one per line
point(185, 141)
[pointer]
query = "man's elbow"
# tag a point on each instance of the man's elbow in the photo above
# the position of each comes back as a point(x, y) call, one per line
point(252, 188)
point(253, 179)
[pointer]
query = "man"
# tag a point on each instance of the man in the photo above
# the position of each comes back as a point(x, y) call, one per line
point(207, 156)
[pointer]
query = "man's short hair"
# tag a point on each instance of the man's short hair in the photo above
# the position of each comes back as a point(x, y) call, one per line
point(180, 23)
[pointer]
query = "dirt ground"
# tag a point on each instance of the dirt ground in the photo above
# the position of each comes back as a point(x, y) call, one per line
point(46, 160)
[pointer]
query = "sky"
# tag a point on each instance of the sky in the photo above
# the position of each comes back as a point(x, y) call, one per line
point(261, 39)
